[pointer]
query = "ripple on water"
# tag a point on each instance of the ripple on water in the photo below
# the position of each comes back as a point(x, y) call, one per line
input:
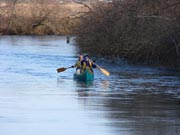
point(36, 100)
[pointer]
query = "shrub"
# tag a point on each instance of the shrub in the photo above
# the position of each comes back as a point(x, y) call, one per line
point(138, 30)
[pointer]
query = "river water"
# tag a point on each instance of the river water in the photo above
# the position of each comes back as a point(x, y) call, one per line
point(35, 100)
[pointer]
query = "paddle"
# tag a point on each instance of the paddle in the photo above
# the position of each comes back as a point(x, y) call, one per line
point(62, 69)
point(104, 71)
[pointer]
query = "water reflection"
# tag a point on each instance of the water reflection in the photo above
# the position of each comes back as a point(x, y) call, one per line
point(136, 106)
point(137, 113)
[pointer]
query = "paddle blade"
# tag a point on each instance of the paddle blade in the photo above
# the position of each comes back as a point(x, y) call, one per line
point(61, 69)
point(104, 71)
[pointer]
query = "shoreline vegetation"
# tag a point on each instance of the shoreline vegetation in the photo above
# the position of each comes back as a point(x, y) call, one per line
point(139, 31)
point(38, 17)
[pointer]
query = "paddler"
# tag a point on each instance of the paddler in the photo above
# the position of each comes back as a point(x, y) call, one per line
point(78, 64)
point(86, 63)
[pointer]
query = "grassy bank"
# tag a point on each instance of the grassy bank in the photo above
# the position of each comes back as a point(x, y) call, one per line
point(137, 30)
point(37, 17)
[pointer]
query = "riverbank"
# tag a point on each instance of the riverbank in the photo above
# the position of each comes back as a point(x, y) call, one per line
point(42, 17)
point(136, 31)
point(141, 32)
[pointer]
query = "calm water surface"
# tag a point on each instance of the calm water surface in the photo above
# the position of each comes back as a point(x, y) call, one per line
point(35, 100)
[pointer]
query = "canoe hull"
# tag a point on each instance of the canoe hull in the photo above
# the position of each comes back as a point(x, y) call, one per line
point(85, 76)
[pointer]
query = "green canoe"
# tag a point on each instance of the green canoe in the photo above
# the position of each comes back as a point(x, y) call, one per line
point(84, 76)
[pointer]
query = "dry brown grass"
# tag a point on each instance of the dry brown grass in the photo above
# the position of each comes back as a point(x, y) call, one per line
point(38, 18)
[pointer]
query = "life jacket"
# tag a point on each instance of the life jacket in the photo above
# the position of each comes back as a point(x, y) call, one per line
point(87, 65)
point(78, 65)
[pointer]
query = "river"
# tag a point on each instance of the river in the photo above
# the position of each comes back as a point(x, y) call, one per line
point(36, 100)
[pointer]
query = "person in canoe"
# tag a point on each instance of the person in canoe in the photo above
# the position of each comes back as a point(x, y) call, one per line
point(86, 63)
point(78, 64)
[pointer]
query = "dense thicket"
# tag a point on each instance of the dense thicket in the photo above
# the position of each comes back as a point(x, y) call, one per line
point(37, 17)
point(138, 30)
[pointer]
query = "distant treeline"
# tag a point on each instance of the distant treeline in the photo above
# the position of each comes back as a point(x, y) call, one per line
point(145, 31)
point(29, 17)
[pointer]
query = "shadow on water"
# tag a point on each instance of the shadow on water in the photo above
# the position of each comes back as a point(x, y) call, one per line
point(143, 101)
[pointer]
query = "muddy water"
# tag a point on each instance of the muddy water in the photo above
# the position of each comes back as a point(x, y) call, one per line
point(35, 100)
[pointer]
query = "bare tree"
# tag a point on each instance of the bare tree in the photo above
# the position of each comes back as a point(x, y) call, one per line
point(11, 5)
point(40, 10)
point(140, 30)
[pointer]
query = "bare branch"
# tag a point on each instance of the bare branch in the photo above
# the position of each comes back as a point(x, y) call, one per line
point(177, 45)
point(154, 16)
point(85, 5)
point(172, 5)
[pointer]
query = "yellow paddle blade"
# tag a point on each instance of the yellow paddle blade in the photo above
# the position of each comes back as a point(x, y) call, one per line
point(61, 69)
point(104, 71)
